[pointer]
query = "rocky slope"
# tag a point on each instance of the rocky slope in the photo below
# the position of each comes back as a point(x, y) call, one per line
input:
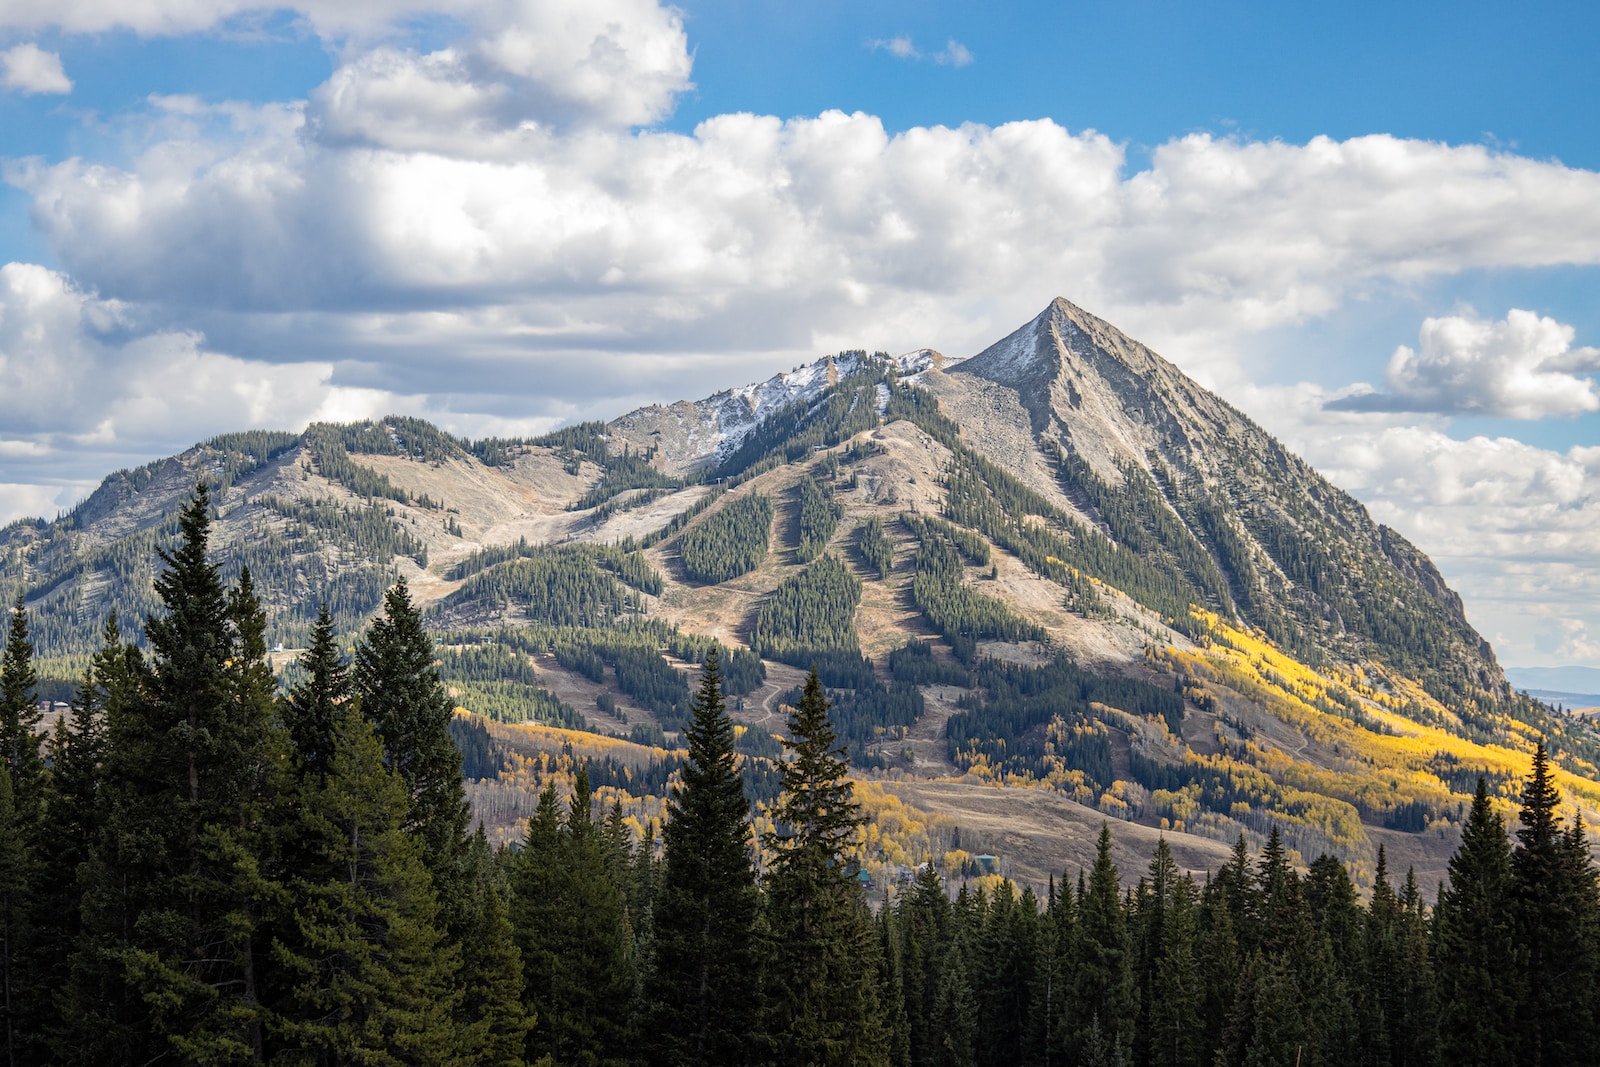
point(1143, 606)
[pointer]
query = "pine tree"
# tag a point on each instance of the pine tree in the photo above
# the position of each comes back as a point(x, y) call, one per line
point(21, 991)
point(373, 977)
point(1382, 984)
point(1051, 1027)
point(19, 716)
point(173, 899)
point(17, 882)
point(824, 993)
point(496, 1023)
point(1476, 947)
point(1554, 909)
point(401, 693)
point(955, 1014)
point(1104, 996)
point(925, 932)
point(1172, 998)
point(572, 929)
point(699, 992)
point(538, 879)
point(311, 711)
point(596, 944)
point(73, 820)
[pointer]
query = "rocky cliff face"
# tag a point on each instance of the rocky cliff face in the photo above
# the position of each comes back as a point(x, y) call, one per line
point(1102, 424)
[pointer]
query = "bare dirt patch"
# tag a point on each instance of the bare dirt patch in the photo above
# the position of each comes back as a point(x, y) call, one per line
point(1039, 834)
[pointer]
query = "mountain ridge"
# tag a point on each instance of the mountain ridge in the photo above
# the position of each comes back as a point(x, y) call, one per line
point(1207, 621)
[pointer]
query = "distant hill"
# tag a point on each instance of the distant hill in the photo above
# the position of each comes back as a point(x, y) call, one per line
point(1059, 564)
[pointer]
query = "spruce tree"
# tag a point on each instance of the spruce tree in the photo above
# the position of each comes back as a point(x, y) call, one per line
point(401, 693)
point(73, 819)
point(19, 716)
point(699, 992)
point(538, 914)
point(1476, 947)
point(494, 1030)
point(175, 889)
point(925, 932)
point(1104, 998)
point(17, 883)
point(1171, 1001)
point(311, 711)
point(22, 993)
point(825, 1008)
point(1554, 909)
point(572, 929)
point(373, 979)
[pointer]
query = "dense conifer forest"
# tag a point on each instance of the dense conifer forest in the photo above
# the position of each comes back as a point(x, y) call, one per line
point(731, 542)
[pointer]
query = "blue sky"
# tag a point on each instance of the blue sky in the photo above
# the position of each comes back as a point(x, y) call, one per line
point(1375, 227)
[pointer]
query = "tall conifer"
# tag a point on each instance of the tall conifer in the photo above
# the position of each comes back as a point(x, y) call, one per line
point(373, 979)
point(1553, 887)
point(825, 1008)
point(401, 693)
point(1105, 1000)
point(699, 992)
point(175, 892)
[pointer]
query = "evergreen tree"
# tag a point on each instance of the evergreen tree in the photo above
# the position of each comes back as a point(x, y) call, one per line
point(400, 690)
point(174, 891)
point(699, 988)
point(1050, 1027)
point(495, 1024)
point(538, 880)
point(1382, 986)
point(825, 1008)
point(373, 977)
point(311, 712)
point(73, 818)
point(1553, 893)
point(1173, 997)
point(1104, 998)
point(573, 931)
point(955, 1014)
point(925, 931)
point(892, 981)
point(21, 991)
point(1475, 946)
point(17, 881)
point(19, 716)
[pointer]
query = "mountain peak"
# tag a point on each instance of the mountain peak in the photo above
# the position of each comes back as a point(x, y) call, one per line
point(1063, 333)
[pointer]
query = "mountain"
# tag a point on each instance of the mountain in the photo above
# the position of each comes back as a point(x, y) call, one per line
point(1059, 566)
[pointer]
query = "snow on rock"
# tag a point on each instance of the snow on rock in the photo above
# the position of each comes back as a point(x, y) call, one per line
point(695, 434)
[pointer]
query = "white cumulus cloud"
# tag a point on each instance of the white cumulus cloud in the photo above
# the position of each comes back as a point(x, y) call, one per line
point(82, 373)
point(1521, 367)
point(31, 70)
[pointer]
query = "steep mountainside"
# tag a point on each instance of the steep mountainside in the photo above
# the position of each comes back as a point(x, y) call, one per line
point(1060, 565)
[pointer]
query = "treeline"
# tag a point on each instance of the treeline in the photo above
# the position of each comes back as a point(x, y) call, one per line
point(817, 518)
point(730, 542)
point(202, 871)
point(798, 429)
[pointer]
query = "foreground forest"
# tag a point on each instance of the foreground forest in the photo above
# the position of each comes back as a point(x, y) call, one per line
point(197, 868)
